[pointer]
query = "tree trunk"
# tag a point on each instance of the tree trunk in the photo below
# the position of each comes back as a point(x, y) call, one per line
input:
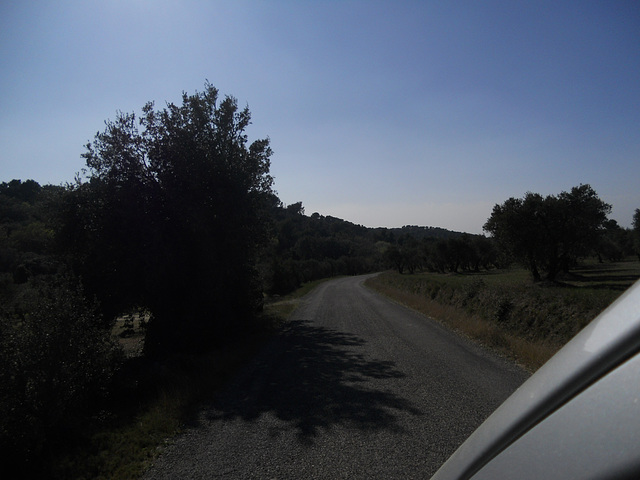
point(533, 268)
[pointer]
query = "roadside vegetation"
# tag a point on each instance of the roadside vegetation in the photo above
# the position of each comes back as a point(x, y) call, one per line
point(505, 310)
point(149, 401)
point(549, 267)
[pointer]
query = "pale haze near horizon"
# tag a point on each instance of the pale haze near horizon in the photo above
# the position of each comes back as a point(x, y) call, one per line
point(380, 113)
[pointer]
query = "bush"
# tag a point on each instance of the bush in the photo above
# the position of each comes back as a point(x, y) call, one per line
point(54, 361)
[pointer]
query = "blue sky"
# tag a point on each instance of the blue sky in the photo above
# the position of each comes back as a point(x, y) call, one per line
point(384, 113)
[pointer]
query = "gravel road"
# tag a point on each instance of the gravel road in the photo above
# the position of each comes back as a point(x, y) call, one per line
point(355, 386)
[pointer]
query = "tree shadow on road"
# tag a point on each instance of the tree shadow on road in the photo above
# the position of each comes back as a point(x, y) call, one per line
point(314, 378)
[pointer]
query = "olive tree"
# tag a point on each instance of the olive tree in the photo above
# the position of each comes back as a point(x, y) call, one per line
point(549, 233)
point(636, 232)
point(172, 217)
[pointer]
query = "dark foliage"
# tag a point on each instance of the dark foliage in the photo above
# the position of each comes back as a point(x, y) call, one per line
point(55, 362)
point(55, 359)
point(307, 248)
point(27, 217)
point(550, 233)
point(173, 218)
point(420, 233)
point(636, 232)
point(615, 243)
point(453, 253)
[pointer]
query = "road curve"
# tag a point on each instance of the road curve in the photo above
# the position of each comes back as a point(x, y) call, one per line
point(355, 386)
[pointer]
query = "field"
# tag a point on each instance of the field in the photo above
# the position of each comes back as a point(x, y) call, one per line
point(506, 311)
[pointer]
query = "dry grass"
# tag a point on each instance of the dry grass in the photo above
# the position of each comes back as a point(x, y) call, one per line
point(504, 311)
point(529, 354)
point(282, 307)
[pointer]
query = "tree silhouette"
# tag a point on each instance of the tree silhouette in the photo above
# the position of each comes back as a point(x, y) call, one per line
point(172, 218)
point(549, 233)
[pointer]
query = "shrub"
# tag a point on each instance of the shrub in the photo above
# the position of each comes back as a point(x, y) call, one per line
point(54, 360)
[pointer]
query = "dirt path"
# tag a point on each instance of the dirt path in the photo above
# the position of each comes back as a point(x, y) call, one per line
point(354, 387)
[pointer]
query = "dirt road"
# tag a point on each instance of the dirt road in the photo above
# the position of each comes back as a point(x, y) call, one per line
point(356, 386)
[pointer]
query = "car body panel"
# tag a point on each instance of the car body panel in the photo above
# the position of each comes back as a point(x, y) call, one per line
point(596, 435)
point(608, 341)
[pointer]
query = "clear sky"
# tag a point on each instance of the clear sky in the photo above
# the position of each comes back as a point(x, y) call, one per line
point(384, 113)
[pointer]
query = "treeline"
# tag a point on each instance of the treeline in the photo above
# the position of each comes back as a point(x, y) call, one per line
point(459, 253)
point(305, 248)
point(547, 235)
point(57, 354)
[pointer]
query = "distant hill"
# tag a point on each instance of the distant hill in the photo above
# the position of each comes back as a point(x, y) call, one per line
point(417, 232)
point(425, 232)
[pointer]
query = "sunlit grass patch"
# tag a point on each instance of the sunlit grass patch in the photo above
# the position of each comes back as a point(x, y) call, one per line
point(281, 307)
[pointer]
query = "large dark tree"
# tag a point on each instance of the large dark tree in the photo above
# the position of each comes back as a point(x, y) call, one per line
point(516, 227)
point(636, 232)
point(172, 219)
point(549, 233)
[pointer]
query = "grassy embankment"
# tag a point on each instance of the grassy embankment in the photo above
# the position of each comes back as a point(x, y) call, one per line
point(505, 311)
point(154, 400)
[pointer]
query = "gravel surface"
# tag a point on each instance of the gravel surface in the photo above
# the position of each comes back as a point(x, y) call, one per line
point(355, 386)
